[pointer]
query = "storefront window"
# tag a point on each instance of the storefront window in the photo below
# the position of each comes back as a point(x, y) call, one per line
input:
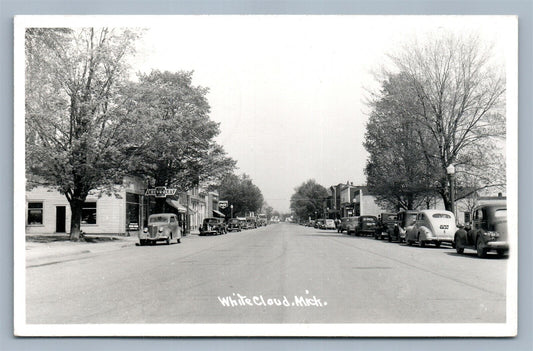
point(35, 213)
point(88, 213)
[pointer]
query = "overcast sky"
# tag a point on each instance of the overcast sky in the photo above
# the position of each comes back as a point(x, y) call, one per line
point(289, 91)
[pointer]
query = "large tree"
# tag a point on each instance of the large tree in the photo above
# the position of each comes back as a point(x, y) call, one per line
point(397, 169)
point(242, 193)
point(75, 124)
point(173, 144)
point(460, 114)
point(308, 199)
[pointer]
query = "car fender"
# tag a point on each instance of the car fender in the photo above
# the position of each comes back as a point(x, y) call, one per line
point(425, 233)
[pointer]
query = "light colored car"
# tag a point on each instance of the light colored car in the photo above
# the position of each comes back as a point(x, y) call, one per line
point(329, 224)
point(161, 227)
point(432, 227)
point(488, 231)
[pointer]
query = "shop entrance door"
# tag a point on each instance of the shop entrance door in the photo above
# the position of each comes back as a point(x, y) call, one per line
point(60, 219)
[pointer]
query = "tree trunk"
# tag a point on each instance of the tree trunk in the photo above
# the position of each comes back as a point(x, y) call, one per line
point(75, 219)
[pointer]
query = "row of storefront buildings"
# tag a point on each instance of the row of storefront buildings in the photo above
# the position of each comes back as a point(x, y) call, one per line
point(122, 212)
point(346, 199)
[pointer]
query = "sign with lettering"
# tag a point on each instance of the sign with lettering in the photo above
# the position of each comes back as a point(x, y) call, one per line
point(222, 204)
point(160, 191)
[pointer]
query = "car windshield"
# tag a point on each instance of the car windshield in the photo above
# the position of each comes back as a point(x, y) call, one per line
point(501, 213)
point(158, 219)
point(441, 215)
point(390, 218)
point(211, 221)
point(411, 219)
point(368, 219)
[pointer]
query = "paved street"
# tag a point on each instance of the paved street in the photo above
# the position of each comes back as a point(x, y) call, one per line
point(323, 277)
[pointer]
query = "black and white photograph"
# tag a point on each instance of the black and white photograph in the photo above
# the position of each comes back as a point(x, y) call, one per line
point(266, 175)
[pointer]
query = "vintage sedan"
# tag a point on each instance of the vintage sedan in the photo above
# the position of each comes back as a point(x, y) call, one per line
point(234, 225)
point(351, 224)
point(213, 226)
point(329, 224)
point(386, 222)
point(432, 227)
point(488, 231)
point(366, 225)
point(161, 227)
point(405, 221)
point(343, 224)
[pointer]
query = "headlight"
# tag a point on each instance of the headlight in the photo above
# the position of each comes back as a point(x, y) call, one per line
point(160, 229)
point(145, 230)
point(491, 234)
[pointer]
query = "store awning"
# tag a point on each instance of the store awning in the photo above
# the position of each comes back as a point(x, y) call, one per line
point(218, 213)
point(177, 205)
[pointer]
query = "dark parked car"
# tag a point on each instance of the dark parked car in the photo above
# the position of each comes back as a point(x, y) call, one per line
point(406, 219)
point(386, 221)
point(234, 225)
point(366, 225)
point(488, 231)
point(343, 225)
point(319, 223)
point(213, 226)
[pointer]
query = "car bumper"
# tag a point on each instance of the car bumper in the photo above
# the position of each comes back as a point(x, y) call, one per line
point(147, 237)
point(497, 245)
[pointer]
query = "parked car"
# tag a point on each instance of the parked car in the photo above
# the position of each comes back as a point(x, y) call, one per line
point(351, 224)
point(213, 226)
point(343, 224)
point(311, 223)
point(319, 223)
point(366, 225)
point(242, 222)
point(234, 225)
point(488, 231)
point(406, 219)
point(329, 224)
point(386, 220)
point(161, 227)
point(251, 223)
point(432, 227)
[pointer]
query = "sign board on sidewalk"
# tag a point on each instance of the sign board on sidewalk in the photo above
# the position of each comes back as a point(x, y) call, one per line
point(222, 204)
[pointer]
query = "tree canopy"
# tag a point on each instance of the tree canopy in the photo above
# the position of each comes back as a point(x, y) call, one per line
point(308, 199)
point(445, 101)
point(242, 193)
point(173, 143)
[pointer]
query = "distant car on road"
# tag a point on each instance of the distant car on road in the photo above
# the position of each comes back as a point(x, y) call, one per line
point(343, 224)
point(319, 223)
point(161, 227)
point(213, 226)
point(251, 223)
point(488, 231)
point(234, 225)
point(329, 224)
point(432, 227)
point(386, 222)
point(406, 219)
point(366, 225)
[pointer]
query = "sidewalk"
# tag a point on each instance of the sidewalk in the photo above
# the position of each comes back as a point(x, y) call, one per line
point(40, 251)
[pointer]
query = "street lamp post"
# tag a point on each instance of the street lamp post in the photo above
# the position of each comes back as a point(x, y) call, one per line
point(450, 170)
point(231, 207)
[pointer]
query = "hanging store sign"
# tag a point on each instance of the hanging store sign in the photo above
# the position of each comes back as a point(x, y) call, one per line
point(222, 204)
point(160, 191)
